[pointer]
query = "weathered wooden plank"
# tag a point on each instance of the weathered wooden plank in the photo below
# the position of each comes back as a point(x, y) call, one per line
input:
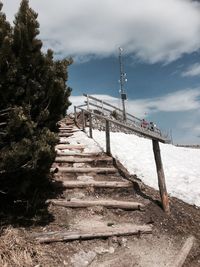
point(83, 119)
point(180, 258)
point(146, 132)
point(75, 114)
point(79, 147)
point(90, 125)
point(87, 170)
point(82, 160)
point(113, 204)
point(118, 230)
point(109, 105)
point(103, 184)
point(66, 127)
point(69, 130)
point(108, 150)
point(78, 154)
point(64, 135)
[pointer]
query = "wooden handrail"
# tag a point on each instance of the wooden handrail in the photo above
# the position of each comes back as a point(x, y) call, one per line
point(131, 118)
point(155, 145)
point(146, 133)
point(109, 105)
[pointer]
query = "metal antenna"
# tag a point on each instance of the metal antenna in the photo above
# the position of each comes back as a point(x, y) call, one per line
point(122, 81)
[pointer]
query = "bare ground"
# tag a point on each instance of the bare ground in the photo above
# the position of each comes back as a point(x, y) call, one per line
point(18, 248)
point(20, 220)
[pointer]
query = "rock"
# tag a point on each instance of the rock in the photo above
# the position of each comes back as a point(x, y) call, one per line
point(83, 259)
point(102, 250)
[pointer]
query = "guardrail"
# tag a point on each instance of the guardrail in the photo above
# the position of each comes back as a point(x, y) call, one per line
point(153, 136)
point(108, 109)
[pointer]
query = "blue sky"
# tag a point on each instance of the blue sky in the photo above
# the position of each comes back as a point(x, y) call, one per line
point(161, 41)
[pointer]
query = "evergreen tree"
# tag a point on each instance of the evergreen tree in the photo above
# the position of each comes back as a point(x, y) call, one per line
point(6, 60)
point(33, 85)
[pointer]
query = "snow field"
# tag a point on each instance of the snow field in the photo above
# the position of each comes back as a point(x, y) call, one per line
point(181, 165)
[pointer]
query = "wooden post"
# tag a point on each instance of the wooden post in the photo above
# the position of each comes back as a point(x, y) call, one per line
point(108, 151)
point(88, 108)
point(83, 120)
point(161, 176)
point(75, 115)
point(102, 106)
point(90, 125)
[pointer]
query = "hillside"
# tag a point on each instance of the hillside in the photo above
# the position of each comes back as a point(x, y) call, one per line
point(181, 165)
point(76, 227)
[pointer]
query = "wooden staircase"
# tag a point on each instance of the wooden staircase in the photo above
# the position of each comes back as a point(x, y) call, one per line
point(95, 176)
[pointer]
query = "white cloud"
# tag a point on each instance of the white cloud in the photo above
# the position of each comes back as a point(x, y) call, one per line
point(180, 101)
point(156, 30)
point(193, 70)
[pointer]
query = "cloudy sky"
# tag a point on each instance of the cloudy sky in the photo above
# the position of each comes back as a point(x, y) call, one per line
point(161, 41)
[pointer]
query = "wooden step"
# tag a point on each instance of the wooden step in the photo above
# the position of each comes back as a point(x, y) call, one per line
point(98, 232)
point(99, 184)
point(86, 170)
point(69, 130)
point(82, 160)
point(180, 258)
point(113, 204)
point(76, 154)
point(79, 147)
point(65, 135)
point(66, 128)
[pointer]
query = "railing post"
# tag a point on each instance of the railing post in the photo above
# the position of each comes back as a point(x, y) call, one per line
point(83, 120)
point(161, 176)
point(88, 107)
point(102, 106)
point(90, 125)
point(75, 115)
point(108, 150)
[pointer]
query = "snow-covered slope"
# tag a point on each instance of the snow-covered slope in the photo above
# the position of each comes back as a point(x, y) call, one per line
point(181, 165)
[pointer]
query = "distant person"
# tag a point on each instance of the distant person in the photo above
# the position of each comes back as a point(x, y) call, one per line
point(144, 124)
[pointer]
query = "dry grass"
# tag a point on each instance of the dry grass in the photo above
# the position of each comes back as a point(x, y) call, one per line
point(16, 251)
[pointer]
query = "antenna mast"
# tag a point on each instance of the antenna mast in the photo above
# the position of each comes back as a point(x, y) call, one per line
point(122, 81)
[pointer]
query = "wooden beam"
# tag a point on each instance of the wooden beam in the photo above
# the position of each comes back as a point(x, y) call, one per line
point(113, 204)
point(65, 135)
point(72, 153)
point(180, 258)
point(83, 120)
point(90, 124)
point(99, 184)
point(109, 105)
point(143, 132)
point(72, 130)
point(82, 160)
point(75, 114)
point(98, 232)
point(86, 170)
point(161, 176)
point(79, 147)
point(66, 128)
point(108, 150)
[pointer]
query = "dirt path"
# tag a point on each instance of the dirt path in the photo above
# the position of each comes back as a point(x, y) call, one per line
point(98, 232)
point(81, 205)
